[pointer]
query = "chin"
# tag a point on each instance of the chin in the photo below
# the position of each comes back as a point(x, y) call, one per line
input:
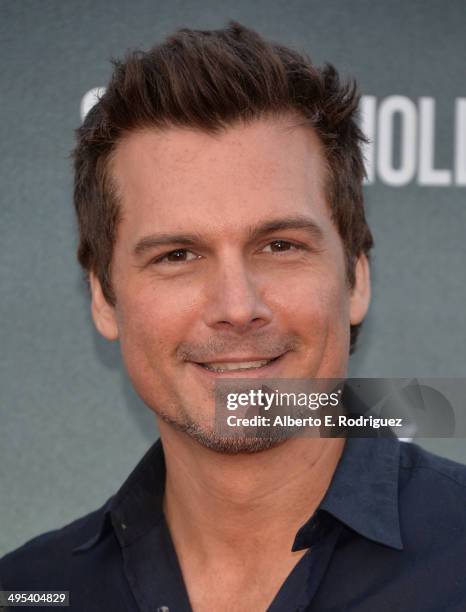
point(228, 445)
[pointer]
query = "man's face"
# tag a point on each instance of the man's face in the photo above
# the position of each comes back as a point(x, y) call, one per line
point(226, 256)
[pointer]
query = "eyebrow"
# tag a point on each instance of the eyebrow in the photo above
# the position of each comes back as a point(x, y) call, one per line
point(299, 222)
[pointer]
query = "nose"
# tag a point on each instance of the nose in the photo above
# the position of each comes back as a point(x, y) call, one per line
point(235, 298)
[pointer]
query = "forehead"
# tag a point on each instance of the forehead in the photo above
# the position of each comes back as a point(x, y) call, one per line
point(178, 177)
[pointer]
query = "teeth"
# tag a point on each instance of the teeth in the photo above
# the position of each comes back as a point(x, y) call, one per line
point(242, 365)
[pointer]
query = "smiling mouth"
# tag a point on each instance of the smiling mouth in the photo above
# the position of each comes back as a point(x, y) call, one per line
point(237, 366)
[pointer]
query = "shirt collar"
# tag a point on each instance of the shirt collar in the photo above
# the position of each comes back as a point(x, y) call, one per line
point(137, 506)
point(363, 495)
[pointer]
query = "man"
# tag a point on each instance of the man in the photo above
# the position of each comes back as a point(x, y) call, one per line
point(219, 202)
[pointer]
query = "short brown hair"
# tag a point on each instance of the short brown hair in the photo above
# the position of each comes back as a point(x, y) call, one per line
point(209, 80)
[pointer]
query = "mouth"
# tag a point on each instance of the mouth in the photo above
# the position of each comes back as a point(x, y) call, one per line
point(241, 369)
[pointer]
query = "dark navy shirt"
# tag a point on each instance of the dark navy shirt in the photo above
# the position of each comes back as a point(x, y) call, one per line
point(389, 536)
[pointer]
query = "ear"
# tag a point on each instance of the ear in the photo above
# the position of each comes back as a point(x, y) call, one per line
point(103, 313)
point(361, 292)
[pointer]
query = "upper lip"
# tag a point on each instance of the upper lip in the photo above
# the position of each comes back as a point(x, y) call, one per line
point(239, 359)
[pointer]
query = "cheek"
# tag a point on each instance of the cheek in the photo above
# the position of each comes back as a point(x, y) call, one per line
point(151, 326)
point(317, 305)
point(316, 310)
point(153, 321)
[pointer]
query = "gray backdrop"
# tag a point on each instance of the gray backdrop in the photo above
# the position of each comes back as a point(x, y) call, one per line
point(72, 428)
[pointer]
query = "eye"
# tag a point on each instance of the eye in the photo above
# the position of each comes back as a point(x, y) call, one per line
point(282, 246)
point(177, 256)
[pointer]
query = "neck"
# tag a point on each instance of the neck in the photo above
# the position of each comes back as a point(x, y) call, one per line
point(233, 504)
